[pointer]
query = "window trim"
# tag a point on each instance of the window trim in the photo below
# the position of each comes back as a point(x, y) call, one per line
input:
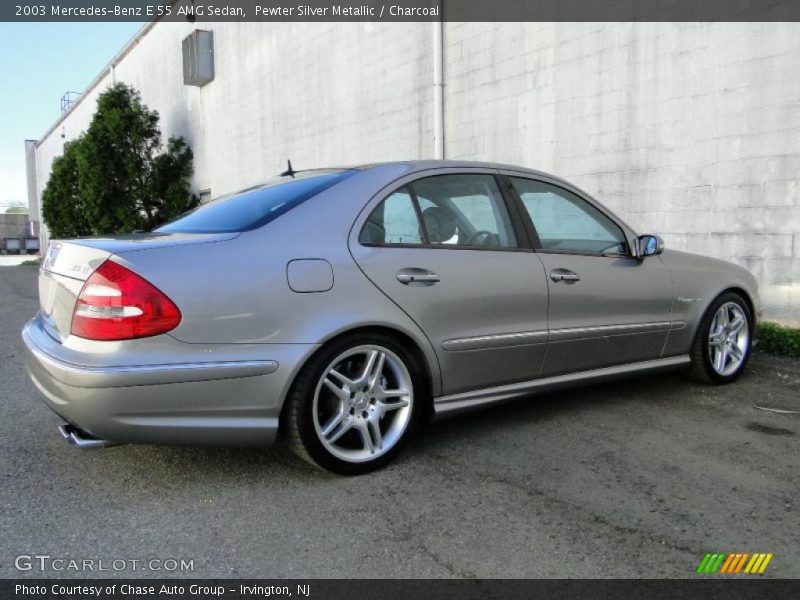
point(523, 218)
point(522, 241)
point(423, 229)
point(526, 218)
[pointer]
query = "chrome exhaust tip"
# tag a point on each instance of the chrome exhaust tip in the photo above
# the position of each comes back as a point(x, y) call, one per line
point(81, 439)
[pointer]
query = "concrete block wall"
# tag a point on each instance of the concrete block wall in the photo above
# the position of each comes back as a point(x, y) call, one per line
point(689, 130)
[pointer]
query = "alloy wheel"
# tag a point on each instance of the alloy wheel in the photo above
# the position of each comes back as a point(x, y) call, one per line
point(728, 339)
point(362, 403)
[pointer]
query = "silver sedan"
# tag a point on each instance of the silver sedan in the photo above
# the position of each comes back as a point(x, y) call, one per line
point(342, 307)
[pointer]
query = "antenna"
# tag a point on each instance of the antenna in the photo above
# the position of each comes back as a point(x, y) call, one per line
point(289, 172)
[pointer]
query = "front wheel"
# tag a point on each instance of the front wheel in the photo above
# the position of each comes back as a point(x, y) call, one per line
point(353, 405)
point(723, 341)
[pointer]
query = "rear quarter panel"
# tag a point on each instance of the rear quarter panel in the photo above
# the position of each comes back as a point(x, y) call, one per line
point(237, 292)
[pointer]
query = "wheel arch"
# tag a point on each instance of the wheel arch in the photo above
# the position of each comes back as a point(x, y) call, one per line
point(405, 339)
point(741, 291)
point(747, 298)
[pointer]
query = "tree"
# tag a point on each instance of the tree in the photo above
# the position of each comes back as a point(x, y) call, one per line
point(120, 182)
point(169, 195)
point(61, 202)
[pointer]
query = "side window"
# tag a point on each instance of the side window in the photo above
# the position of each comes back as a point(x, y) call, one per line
point(566, 222)
point(394, 221)
point(464, 210)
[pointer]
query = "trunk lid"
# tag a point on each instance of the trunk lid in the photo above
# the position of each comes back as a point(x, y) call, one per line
point(68, 264)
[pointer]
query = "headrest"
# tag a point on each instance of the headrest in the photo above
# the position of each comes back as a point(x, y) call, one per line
point(440, 224)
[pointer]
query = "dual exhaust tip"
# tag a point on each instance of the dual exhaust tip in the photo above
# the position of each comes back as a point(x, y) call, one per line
point(81, 439)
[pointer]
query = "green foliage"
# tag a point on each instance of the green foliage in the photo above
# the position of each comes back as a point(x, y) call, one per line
point(114, 179)
point(779, 339)
point(17, 210)
point(61, 202)
point(169, 195)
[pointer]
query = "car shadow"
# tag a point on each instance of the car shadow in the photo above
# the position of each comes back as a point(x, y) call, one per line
point(557, 404)
point(278, 462)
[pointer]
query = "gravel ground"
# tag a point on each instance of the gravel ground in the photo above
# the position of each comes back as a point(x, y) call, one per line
point(631, 479)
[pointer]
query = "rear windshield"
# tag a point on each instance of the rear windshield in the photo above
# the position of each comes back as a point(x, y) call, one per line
point(255, 207)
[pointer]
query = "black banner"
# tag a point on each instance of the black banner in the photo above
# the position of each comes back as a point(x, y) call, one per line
point(734, 587)
point(399, 10)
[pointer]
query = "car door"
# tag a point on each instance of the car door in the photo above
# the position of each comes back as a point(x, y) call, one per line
point(606, 307)
point(446, 250)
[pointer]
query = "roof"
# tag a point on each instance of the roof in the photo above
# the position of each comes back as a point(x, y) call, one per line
point(429, 164)
point(414, 166)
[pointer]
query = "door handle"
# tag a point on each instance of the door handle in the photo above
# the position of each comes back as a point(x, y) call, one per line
point(564, 275)
point(417, 277)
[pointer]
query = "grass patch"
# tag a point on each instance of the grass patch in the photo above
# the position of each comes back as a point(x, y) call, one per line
point(31, 263)
point(779, 339)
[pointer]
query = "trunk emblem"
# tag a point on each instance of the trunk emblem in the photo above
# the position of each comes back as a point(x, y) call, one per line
point(79, 269)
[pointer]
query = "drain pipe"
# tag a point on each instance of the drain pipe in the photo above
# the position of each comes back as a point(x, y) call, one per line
point(438, 87)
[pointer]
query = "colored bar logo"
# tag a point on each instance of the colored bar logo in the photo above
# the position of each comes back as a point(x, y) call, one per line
point(734, 563)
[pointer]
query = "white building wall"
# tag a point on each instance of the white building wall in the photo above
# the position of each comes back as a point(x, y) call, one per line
point(689, 130)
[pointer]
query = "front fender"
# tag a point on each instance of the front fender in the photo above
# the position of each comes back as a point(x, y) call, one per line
point(696, 282)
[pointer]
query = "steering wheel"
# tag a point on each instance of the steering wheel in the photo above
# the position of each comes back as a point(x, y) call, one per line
point(473, 239)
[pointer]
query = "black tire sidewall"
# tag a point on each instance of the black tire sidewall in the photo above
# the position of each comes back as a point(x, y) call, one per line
point(305, 388)
point(705, 330)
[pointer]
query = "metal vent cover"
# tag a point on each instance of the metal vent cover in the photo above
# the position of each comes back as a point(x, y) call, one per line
point(198, 58)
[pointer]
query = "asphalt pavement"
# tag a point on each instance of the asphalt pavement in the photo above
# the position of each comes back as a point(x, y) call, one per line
point(638, 478)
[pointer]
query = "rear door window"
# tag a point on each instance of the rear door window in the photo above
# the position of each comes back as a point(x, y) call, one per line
point(394, 221)
point(460, 210)
point(464, 210)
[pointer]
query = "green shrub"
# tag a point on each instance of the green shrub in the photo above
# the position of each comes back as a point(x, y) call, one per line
point(779, 339)
point(61, 202)
point(118, 177)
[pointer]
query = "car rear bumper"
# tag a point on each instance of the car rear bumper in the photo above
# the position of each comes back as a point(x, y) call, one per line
point(224, 402)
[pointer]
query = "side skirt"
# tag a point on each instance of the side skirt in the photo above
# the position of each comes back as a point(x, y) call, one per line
point(453, 404)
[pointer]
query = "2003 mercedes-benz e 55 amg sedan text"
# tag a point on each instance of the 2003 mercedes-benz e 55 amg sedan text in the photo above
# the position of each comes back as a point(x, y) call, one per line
point(341, 307)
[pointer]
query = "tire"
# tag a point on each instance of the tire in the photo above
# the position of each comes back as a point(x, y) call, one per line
point(336, 404)
point(715, 336)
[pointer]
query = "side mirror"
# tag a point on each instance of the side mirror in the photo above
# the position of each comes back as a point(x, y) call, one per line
point(650, 245)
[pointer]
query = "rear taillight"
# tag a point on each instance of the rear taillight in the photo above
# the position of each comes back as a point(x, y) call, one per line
point(117, 304)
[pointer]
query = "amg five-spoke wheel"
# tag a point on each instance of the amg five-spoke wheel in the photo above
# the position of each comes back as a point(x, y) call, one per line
point(722, 344)
point(729, 338)
point(353, 404)
point(362, 403)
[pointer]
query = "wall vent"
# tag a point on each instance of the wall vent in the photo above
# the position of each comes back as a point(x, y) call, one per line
point(198, 58)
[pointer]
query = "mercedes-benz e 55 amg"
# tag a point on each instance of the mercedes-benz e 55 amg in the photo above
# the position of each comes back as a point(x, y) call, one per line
point(341, 307)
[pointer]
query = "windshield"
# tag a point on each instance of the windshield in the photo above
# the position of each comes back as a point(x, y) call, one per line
point(257, 206)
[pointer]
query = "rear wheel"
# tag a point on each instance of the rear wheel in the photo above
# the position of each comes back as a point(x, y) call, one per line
point(352, 406)
point(723, 341)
